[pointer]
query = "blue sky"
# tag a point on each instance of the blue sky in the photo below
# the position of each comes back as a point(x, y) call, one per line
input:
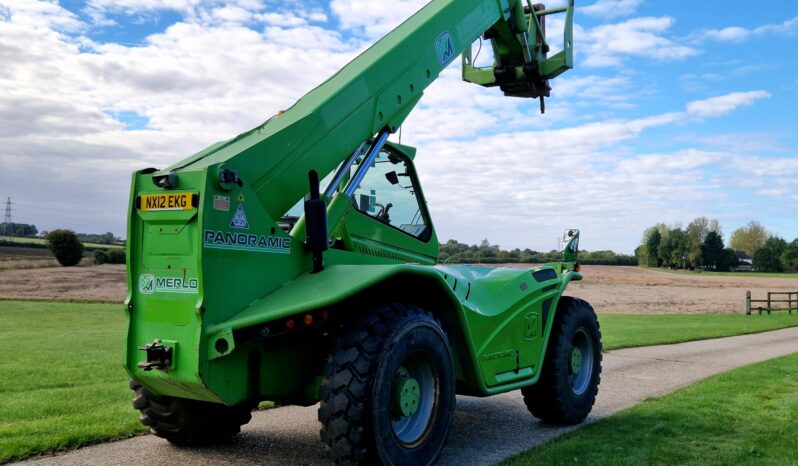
point(674, 110)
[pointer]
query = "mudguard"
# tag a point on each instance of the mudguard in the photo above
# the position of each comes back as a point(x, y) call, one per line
point(502, 316)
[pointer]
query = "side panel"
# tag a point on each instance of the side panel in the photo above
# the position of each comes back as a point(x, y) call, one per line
point(339, 289)
point(510, 313)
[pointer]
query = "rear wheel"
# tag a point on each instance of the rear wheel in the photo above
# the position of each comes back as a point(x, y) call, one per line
point(188, 422)
point(568, 384)
point(388, 390)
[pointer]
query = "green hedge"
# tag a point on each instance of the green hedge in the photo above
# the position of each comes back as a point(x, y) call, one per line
point(109, 256)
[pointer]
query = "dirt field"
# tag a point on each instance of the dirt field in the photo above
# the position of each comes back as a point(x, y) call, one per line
point(25, 258)
point(608, 289)
point(641, 290)
point(90, 283)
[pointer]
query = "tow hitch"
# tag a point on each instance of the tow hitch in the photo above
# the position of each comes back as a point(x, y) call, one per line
point(159, 356)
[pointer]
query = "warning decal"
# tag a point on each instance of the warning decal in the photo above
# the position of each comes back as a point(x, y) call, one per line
point(240, 218)
point(221, 203)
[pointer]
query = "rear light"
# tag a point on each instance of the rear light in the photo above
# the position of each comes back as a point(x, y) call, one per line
point(287, 324)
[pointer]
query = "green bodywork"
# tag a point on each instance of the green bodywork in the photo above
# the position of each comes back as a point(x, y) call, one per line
point(227, 287)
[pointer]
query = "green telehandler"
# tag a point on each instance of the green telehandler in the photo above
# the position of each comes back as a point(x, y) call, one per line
point(296, 263)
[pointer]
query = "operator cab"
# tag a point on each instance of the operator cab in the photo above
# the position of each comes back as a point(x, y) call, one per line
point(388, 217)
point(390, 193)
point(387, 214)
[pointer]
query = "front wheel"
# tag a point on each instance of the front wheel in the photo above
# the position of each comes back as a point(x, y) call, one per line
point(568, 384)
point(388, 390)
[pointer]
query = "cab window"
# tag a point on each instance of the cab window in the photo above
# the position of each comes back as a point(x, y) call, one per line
point(387, 193)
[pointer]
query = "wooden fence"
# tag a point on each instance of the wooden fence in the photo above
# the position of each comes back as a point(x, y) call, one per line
point(790, 298)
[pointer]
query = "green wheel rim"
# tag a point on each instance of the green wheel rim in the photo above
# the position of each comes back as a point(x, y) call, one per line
point(406, 396)
point(576, 360)
point(415, 394)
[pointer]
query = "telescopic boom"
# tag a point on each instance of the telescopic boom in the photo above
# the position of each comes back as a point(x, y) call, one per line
point(377, 91)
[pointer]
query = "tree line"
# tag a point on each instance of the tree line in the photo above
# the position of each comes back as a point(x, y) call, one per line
point(24, 230)
point(18, 229)
point(777, 255)
point(454, 251)
point(68, 250)
point(102, 238)
point(701, 245)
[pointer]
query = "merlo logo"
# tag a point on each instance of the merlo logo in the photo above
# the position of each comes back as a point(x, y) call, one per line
point(444, 47)
point(146, 283)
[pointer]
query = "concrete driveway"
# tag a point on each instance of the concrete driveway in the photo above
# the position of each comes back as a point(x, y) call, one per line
point(485, 430)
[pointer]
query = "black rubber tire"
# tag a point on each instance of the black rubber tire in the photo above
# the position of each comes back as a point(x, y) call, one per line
point(189, 422)
point(355, 410)
point(552, 398)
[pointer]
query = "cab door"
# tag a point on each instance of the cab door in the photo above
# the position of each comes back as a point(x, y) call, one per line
point(389, 217)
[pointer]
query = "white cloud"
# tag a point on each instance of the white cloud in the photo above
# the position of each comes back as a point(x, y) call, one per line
point(195, 83)
point(738, 34)
point(612, 8)
point(207, 11)
point(491, 165)
point(722, 105)
point(137, 6)
point(532, 184)
point(282, 19)
point(608, 91)
point(728, 34)
point(374, 18)
point(785, 168)
point(234, 14)
point(746, 142)
point(775, 192)
point(584, 173)
point(694, 82)
point(39, 15)
point(609, 44)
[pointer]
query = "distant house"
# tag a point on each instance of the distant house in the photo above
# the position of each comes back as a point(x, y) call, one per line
point(744, 261)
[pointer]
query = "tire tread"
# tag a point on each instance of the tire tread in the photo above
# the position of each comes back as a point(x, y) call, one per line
point(346, 376)
point(546, 399)
point(188, 422)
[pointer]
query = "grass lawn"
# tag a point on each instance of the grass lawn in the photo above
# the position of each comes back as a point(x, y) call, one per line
point(63, 383)
point(746, 416)
point(627, 330)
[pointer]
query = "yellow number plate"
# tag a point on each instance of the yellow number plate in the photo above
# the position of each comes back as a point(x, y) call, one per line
point(171, 201)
